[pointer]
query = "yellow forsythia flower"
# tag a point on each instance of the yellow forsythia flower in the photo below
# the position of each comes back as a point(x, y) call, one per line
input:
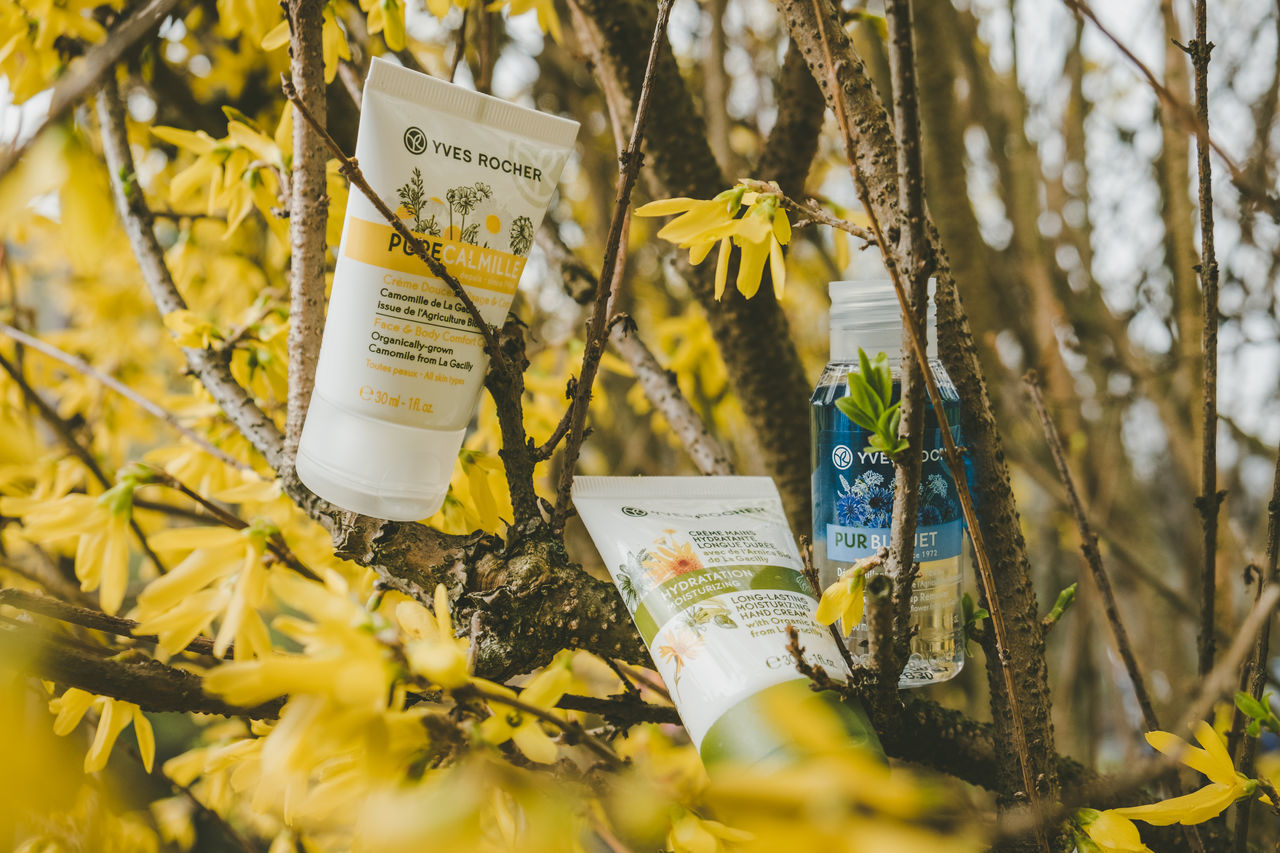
point(1113, 829)
point(114, 716)
point(1226, 785)
point(102, 525)
point(1111, 832)
point(341, 661)
point(692, 834)
point(433, 650)
point(508, 723)
point(843, 599)
point(548, 21)
point(759, 232)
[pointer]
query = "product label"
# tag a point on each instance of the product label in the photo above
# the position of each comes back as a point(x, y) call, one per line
point(712, 595)
point(859, 503)
point(399, 345)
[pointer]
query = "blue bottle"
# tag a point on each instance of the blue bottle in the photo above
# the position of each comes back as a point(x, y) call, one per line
point(853, 486)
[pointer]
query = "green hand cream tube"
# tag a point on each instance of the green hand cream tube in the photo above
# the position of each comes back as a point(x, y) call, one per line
point(402, 362)
point(711, 574)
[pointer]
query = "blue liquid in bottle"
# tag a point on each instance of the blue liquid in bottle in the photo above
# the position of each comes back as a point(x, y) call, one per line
point(853, 507)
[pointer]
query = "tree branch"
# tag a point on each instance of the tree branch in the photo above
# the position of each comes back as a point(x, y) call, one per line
point(88, 618)
point(753, 335)
point(1210, 499)
point(631, 158)
point(914, 255)
point(214, 372)
point(85, 74)
point(84, 367)
point(1093, 558)
point(142, 680)
point(308, 213)
point(663, 392)
point(1020, 695)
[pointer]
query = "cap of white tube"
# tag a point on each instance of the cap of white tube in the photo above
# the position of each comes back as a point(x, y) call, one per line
point(374, 467)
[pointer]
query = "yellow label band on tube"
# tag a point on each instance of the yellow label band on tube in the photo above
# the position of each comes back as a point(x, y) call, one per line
point(379, 244)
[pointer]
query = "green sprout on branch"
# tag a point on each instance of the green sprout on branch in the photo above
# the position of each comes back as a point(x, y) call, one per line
point(1259, 712)
point(973, 617)
point(870, 404)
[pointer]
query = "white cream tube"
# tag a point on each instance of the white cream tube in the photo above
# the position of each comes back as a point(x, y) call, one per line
point(711, 574)
point(402, 363)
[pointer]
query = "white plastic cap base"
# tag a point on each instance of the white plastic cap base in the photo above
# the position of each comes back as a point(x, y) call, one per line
point(373, 467)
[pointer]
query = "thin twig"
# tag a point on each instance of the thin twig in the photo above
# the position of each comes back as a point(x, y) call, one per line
point(87, 617)
point(275, 542)
point(84, 367)
point(631, 159)
point(810, 208)
point(84, 75)
point(951, 452)
point(64, 432)
point(1184, 114)
point(626, 710)
point(213, 371)
point(640, 677)
point(811, 574)
point(1210, 499)
point(1089, 545)
point(917, 258)
point(573, 730)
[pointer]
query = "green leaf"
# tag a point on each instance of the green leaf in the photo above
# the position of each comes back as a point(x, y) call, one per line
point(723, 621)
point(1251, 706)
point(864, 395)
point(881, 377)
point(855, 413)
point(1253, 729)
point(864, 363)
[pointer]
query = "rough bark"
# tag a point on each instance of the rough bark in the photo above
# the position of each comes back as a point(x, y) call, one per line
point(753, 335)
point(875, 160)
point(308, 212)
point(526, 601)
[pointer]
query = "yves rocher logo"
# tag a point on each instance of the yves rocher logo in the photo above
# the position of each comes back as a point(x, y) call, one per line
point(415, 140)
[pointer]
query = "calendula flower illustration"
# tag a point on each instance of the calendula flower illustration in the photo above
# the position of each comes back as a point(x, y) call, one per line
point(671, 560)
point(114, 715)
point(754, 222)
point(681, 645)
point(1226, 784)
point(508, 723)
point(521, 235)
point(843, 599)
